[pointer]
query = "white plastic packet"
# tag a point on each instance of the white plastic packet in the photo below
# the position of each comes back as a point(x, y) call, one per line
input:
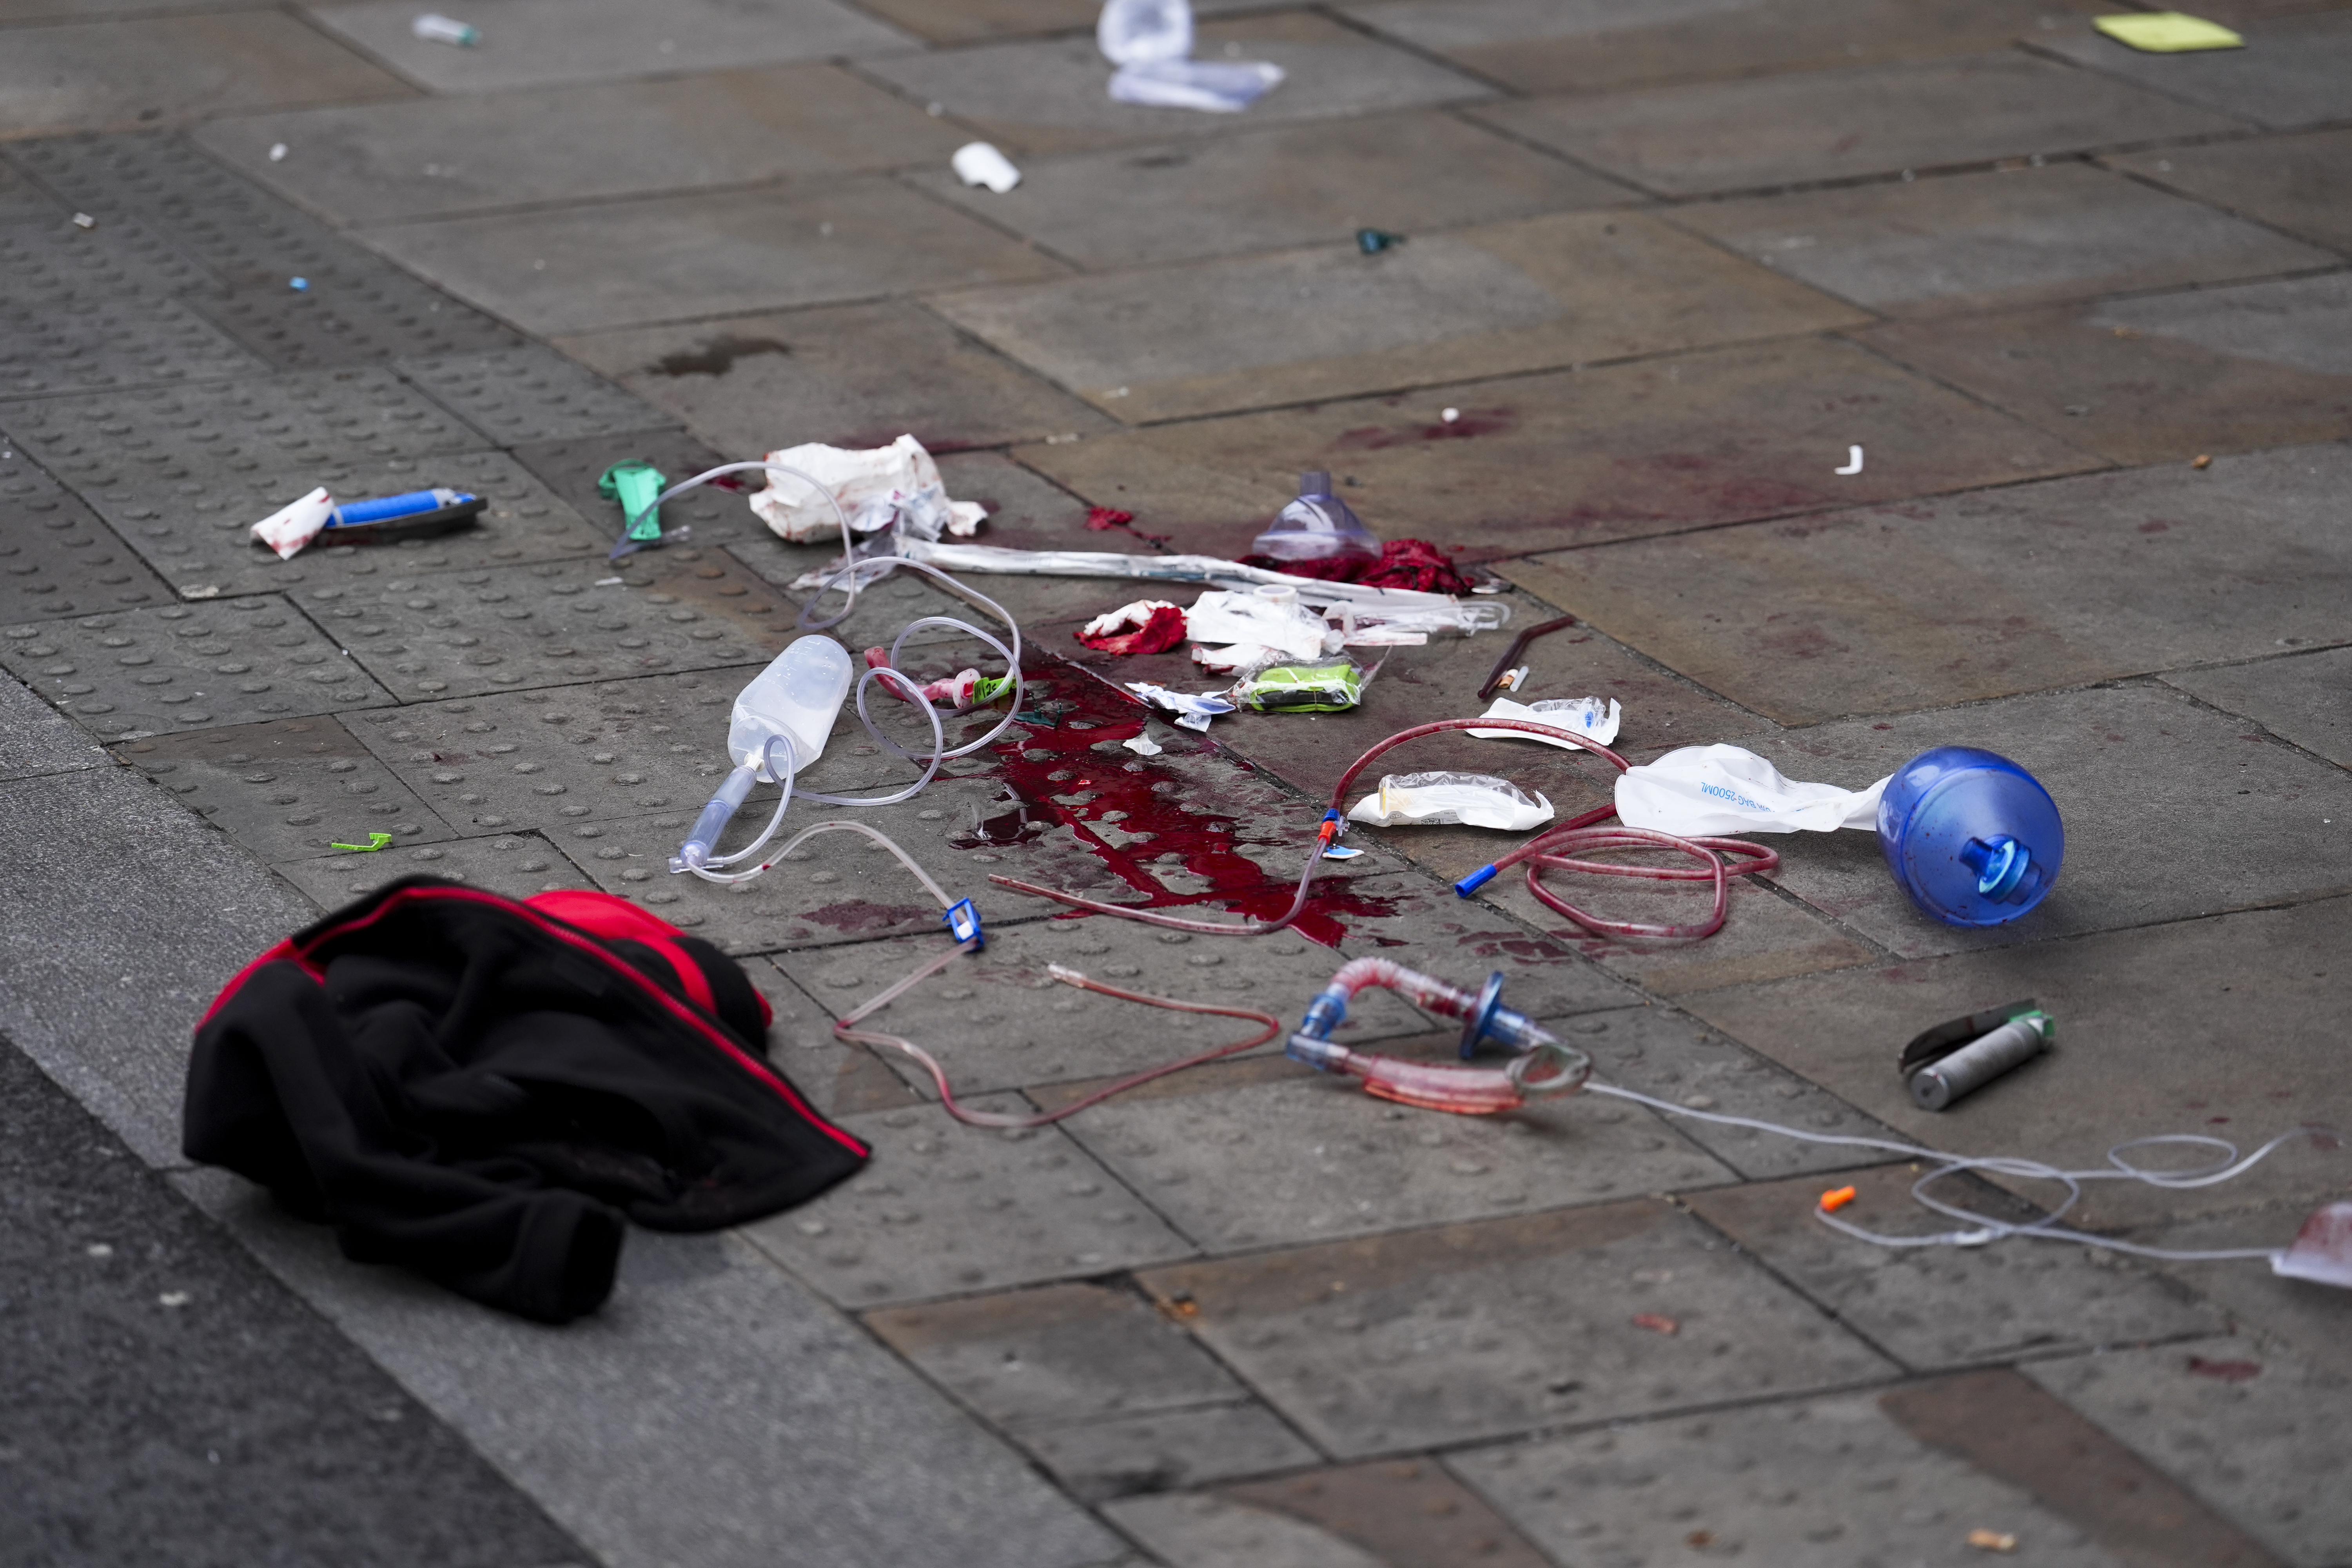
point(1191, 711)
point(980, 163)
point(1474, 800)
point(897, 483)
point(1272, 616)
point(289, 531)
point(1708, 790)
point(1214, 87)
point(1585, 716)
point(1241, 660)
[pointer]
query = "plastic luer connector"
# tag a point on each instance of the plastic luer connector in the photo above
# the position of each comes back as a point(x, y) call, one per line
point(964, 924)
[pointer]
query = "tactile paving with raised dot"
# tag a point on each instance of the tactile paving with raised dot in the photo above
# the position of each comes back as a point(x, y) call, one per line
point(57, 559)
point(514, 864)
point(227, 661)
point(343, 321)
point(84, 309)
point(950, 1208)
point(531, 393)
point(286, 790)
point(460, 633)
point(515, 760)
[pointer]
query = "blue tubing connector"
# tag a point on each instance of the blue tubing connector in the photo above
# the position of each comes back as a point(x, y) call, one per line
point(1474, 881)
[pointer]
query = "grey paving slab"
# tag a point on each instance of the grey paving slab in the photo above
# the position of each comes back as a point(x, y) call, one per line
point(1329, 322)
point(2252, 1438)
point(1833, 1482)
point(1205, 1531)
point(1920, 604)
point(335, 322)
point(948, 1209)
point(1125, 1454)
point(1406, 174)
point(227, 661)
point(2021, 1301)
point(192, 1432)
point(755, 1415)
point(2160, 379)
point(1412, 1511)
point(616, 749)
point(1049, 95)
point(1577, 457)
point(2305, 1315)
point(2299, 183)
point(516, 865)
point(1476, 1331)
point(461, 634)
point(47, 10)
point(2303, 699)
point(2301, 323)
point(968, 21)
point(57, 559)
point(1245, 1159)
point(93, 308)
point(1597, 45)
point(999, 1020)
point(286, 790)
point(105, 1002)
point(2232, 802)
point(126, 74)
point(1834, 124)
point(529, 394)
point(680, 257)
point(2012, 236)
point(1059, 1353)
point(2139, 1014)
point(2292, 72)
point(420, 158)
point(537, 43)
point(24, 202)
point(849, 375)
point(35, 740)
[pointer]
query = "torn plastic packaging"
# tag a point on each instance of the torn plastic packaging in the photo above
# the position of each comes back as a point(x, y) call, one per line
point(1270, 616)
point(1471, 800)
point(885, 487)
point(1585, 716)
point(1700, 790)
point(1191, 710)
point(1303, 688)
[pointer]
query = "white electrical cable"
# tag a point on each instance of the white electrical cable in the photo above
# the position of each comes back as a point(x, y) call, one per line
point(1989, 1229)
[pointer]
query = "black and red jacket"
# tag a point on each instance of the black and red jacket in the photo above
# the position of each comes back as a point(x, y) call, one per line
point(481, 1090)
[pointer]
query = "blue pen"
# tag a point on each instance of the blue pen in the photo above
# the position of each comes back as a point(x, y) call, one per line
point(407, 505)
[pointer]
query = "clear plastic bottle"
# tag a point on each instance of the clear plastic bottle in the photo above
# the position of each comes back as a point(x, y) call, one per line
point(1973, 838)
point(1133, 31)
point(1316, 527)
point(798, 697)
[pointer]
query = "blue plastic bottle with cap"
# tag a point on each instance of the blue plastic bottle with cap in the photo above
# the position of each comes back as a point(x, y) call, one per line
point(1973, 838)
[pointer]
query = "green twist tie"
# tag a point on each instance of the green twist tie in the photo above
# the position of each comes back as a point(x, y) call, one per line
point(375, 842)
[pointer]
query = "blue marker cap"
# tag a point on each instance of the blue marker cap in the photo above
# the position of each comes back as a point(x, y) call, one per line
point(963, 922)
point(1474, 881)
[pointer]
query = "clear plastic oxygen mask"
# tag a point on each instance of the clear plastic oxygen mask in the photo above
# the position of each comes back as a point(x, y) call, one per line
point(1316, 527)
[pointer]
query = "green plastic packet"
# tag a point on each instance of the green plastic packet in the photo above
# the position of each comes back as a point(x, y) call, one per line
point(635, 484)
point(1303, 688)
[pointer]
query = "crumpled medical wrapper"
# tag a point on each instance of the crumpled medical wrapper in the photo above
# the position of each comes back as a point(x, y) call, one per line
point(1430, 800)
point(898, 483)
point(1583, 716)
point(1705, 791)
point(289, 531)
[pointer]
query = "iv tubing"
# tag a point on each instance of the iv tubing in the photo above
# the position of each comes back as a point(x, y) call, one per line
point(2226, 1165)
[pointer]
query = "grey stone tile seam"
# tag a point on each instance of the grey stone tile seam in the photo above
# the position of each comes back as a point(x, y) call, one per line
point(2269, 734)
point(2035, 47)
point(2154, 181)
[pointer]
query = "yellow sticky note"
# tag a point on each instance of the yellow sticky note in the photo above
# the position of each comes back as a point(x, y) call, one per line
point(2167, 32)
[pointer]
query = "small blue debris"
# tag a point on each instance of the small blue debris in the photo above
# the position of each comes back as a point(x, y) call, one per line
point(299, 285)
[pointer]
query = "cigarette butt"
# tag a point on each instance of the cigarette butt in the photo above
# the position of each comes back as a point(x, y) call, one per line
point(1992, 1541)
point(1835, 1199)
point(2204, 460)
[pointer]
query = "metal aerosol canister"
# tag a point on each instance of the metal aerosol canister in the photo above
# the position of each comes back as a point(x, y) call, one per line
point(1981, 1060)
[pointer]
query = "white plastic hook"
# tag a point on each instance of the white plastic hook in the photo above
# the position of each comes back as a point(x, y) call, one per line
point(1852, 461)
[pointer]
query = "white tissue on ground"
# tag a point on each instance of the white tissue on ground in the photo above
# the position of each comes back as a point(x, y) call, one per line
point(980, 163)
point(1472, 800)
point(289, 531)
point(898, 483)
point(1710, 790)
point(1586, 716)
